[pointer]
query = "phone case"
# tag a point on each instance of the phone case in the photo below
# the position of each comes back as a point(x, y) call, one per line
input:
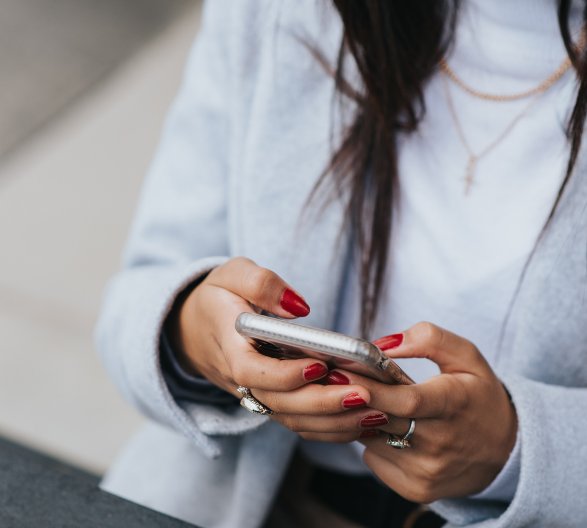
point(284, 340)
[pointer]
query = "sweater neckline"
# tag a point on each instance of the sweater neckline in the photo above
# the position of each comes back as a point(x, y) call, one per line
point(509, 44)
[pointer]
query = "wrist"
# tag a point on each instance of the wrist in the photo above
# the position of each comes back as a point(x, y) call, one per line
point(513, 425)
point(499, 449)
point(178, 325)
point(508, 442)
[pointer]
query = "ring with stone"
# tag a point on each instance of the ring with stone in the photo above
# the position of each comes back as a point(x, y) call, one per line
point(402, 443)
point(251, 404)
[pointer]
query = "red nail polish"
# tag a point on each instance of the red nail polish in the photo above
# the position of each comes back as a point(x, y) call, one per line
point(389, 342)
point(373, 420)
point(314, 372)
point(353, 401)
point(291, 302)
point(369, 433)
point(336, 378)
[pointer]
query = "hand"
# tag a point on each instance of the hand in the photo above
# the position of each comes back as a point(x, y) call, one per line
point(203, 332)
point(466, 425)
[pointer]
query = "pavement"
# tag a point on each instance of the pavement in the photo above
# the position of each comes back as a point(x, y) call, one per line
point(68, 187)
point(53, 51)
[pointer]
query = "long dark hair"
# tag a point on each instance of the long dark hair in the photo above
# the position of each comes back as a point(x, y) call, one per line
point(396, 46)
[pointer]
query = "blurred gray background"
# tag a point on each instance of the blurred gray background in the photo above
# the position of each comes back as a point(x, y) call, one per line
point(84, 88)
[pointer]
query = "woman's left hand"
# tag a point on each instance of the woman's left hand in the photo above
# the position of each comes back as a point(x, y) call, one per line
point(466, 426)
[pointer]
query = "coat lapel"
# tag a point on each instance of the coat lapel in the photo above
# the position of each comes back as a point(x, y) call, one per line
point(283, 155)
point(551, 333)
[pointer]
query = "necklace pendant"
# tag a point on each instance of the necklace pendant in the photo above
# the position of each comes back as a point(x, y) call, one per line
point(469, 179)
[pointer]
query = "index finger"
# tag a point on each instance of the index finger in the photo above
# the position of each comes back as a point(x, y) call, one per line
point(452, 353)
point(251, 369)
point(432, 398)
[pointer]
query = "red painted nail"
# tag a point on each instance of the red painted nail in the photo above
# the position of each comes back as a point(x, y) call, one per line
point(291, 302)
point(370, 433)
point(315, 371)
point(353, 400)
point(389, 342)
point(336, 378)
point(373, 420)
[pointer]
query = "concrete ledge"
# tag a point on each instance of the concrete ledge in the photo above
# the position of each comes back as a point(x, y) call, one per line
point(36, 490)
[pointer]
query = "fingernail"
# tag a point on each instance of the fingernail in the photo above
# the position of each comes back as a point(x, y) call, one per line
point(353, 400)
point(315, 371)
point(291, 302)
point(389, 342)
point(369, 433)
point(336, 378)
point(373, 420)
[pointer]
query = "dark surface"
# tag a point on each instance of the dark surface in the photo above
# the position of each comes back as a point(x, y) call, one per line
point(38, 491)
point(366, 501)
point(52, 51)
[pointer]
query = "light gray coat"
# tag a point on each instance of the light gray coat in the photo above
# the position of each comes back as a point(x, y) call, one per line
point(243, 146)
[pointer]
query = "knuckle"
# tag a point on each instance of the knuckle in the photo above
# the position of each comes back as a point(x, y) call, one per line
point(239, 261)
point(414, 403)
point(210, 278)
point(259, 281)
point(290, 422)
point(461, 400)
point(284, 378)
point(232, 267)
point(457, 404)
point(442, 442)
point(324, 406)
point(433, 335)
point(340, 426)
point(240, 375)
point(431, 471)
point(437, 448)
point(268, 399)
point(423, 494)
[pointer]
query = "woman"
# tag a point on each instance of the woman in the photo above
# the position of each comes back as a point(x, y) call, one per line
point(291, 165)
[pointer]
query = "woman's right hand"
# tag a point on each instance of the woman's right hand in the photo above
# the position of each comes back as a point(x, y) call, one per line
point(203, 330)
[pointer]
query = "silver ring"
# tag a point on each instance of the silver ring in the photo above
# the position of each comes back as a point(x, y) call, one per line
point(251, 404)
point(402, 443)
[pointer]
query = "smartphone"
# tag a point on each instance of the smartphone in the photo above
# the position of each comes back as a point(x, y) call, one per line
point(281, 339)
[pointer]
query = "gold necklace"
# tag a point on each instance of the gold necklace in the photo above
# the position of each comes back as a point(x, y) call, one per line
point(489, 97)
point(543, 86)
point(474, 158)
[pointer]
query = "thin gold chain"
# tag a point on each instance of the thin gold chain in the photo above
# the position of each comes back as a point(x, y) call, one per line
point(474, 158)
point(537, 91)
point(544, 85)
point(489, 97)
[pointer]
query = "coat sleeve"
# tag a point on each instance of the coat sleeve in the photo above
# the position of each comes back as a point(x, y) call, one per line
point(552, 489)
point(179, 233)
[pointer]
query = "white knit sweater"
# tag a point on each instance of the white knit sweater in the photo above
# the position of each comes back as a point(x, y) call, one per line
point(456, 259)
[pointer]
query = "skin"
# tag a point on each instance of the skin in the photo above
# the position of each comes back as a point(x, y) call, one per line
point(466, 425)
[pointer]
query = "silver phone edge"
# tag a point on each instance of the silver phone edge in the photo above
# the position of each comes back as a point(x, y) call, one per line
point(369, 352)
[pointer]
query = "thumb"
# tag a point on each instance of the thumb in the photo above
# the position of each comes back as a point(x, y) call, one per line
point(259, 286)
point(449, 351)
